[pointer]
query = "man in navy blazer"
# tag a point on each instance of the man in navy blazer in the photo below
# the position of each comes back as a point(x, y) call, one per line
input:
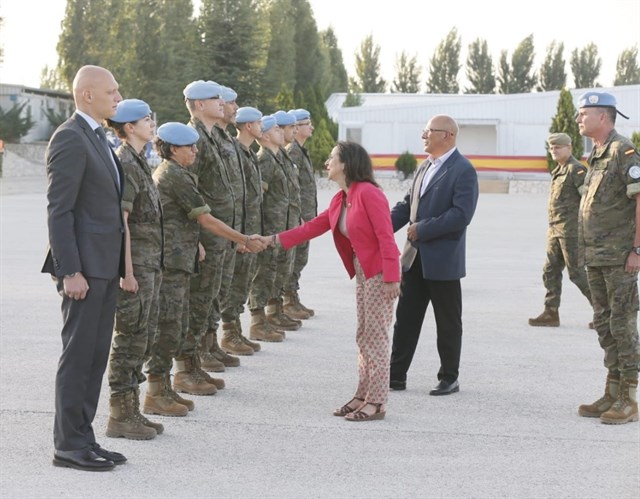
point(85, 259)
point(438, 208)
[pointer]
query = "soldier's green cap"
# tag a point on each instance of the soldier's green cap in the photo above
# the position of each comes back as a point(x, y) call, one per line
point(559, 139)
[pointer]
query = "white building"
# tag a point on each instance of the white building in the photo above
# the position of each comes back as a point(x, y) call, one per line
point(497, 131)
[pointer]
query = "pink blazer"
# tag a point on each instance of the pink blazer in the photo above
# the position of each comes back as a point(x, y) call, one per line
point(370, 232)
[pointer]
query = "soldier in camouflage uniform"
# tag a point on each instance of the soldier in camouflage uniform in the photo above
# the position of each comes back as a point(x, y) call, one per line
point(248, 125)
point(137, 307)
point(309, 209)
point(562, 236)
point(185, 213)
point(277, 216)
point(609, 232)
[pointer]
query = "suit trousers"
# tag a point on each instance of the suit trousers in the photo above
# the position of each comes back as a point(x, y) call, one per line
point(86, 339)
point(416, 294)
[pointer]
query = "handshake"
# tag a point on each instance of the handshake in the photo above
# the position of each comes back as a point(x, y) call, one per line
point(256, 243)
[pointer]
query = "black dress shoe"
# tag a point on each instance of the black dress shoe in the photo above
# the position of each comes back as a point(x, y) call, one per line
point(446, 388)
point(83, 459)
point(116, 457)
point(395, 384)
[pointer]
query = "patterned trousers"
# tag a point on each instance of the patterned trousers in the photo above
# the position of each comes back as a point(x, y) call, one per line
point(375, 314)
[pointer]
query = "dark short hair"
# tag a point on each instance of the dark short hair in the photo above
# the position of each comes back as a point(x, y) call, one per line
point(357, 163)
point(118, 128)
point(162, 148)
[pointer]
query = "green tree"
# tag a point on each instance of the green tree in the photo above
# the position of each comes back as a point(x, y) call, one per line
point(552, 73)
point(368, 79)
point(627, 69)
point(284, 100)
point(564, 121)
point(280, 68)
point(523, 77)
point(445, 65)
point(335, 77)
point(480, 69)
point(50, 79)
point(353, 99)
point(585, 66)
point(309, 58)
point(505, 78)
point(635, 138)
point(320, 144)
point(13, 125)
point(407, 79)
point(406, 164)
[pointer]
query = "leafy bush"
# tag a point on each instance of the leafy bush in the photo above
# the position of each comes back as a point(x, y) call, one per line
point(13, 126)
point(406, 163)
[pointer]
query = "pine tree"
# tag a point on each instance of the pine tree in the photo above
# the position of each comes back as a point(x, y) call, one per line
point(309, 58)
point(627, 69)
point(368, 79)
point(523, 78)
point(564, 121)
point(335, 77)
point(320, 144)
point(445, 65)
point(504, 74)
point(585, 66)
point(552, 73)
point(480, 69)
point(407, 79)
point(281, 54)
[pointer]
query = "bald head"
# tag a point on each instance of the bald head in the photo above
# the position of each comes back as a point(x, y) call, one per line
point(445, 122)
point(95, 92)
point(439, 136)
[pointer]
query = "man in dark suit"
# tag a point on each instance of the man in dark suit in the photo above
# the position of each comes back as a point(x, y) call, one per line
point(438, 208)
point(85, 260)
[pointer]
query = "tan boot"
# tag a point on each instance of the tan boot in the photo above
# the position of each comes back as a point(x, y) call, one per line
point(159, 401)
point(207, 361)
point(135, 397)
point(260, 329)
point(219, 353)
point(292, 307)
point(123, 422)
point(231, 341)
point(625, 408)
point(189, 379)
point(218, 382)
point(189, 404)
point(605, 402)
point(548, 318)
point(256, 346)
point(308, 310)
point(279, 319)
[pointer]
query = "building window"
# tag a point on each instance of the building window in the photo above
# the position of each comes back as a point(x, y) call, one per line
point(354, 135)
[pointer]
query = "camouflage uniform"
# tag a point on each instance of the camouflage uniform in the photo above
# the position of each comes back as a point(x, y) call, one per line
point(137, 313)
point(245, 264)
point(217, 185)
point(308, 207)
point(277, 202)
point(562, 236)
point(181, 205)
point(606, 236)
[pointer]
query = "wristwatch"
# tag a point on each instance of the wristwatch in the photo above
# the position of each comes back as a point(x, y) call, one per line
point(636, 250)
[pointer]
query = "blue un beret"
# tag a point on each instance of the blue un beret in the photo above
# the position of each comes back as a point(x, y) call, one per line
point(228, 94)
point(598, 99)
point(283, 118)
point(178, 134)
point(200, 90)
point(301, 114)
point(247, 115)
point(130, 110)
point(268, 122)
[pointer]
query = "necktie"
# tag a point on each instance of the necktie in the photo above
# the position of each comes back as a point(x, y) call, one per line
point(102, 137)
point(409, 252)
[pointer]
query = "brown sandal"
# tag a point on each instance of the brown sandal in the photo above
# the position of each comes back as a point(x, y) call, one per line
point(360, 415)
point(348, 408)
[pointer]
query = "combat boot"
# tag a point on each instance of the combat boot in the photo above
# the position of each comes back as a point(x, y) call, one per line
point(605, 402)
point(256, 346)
point(135, 397)
point(189, 379)
point(123, 422)
point(189, 404)
point(625, 408)
point(292, 308)
point(277, 318)
point(158, 400)
point(219, 353)
point(232, 342)
point(218, 382)
point(207, 361)
point(260, 329)
point(548, 318)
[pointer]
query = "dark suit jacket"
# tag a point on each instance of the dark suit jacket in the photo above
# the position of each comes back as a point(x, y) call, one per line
point(444, 211)
point(84, 214)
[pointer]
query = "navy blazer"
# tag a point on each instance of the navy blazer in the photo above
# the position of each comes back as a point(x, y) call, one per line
point(444, 211)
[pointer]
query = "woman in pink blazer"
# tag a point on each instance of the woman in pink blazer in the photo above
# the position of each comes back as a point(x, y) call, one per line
point(359, 219)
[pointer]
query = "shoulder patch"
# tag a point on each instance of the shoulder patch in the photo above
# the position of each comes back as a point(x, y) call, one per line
point(634, 172)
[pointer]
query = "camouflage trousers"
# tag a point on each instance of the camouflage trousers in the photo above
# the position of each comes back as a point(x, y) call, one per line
point(300, 261)
point(136, 323)
point(225, 285)
point(561, 252)
point(204, 289)
point(262, 284)
point(173, 321)
point(243, 271)
point(615, 305)
point(284, 268)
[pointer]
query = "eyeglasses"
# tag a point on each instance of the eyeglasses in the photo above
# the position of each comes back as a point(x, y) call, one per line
point(431, 130)
point(555, 148)
point(193, 147)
